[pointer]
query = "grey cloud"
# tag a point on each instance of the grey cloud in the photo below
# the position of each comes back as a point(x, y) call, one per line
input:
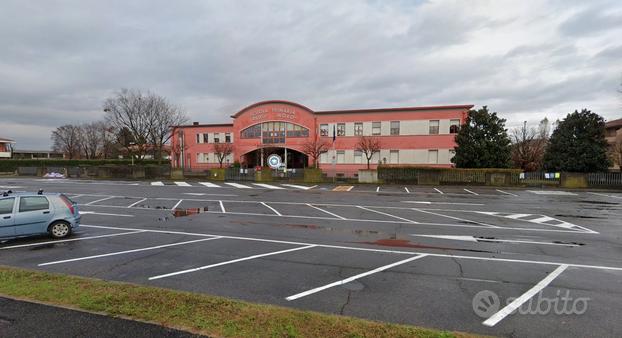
point(591, 21)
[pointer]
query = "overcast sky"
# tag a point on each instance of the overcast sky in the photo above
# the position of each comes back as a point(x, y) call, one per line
point(59, 60)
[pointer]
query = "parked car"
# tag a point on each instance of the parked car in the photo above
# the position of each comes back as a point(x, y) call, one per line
point(26, 214)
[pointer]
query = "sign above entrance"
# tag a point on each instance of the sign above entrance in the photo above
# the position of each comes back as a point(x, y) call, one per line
point(274, 161)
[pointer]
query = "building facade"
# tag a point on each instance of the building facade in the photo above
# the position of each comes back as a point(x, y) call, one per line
point(613, 135)
point(6, 148)
point(422, 136)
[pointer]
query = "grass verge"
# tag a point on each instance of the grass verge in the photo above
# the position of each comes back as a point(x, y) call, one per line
point(199, 313)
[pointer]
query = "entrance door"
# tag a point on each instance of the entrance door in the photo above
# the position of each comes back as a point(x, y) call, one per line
point(7, 220)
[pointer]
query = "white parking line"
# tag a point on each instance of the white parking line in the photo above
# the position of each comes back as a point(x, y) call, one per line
point(210, 185)
point(471, 192)
point(440, 192)
point(183, 184)
point(133, 204)
point(407, 191)
point(231, 262)
point(377, 189)
point(268, 186)
point(453, 217)
point(325, 211)
point(271, 208)
point(72, 239)
point(604, 195)
point(497, 317)
point(222, 207)
point(386, 214)
point(303, 187)
point(507, 193)
point(157, 183)
point(237, 185)
point(84, 212)
point(355, 277)
point(76, 196)
point(177, 204)
point(129, 251)
point(100, 200)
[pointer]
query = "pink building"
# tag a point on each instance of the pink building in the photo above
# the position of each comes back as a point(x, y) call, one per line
point(422, 136)
point(6, 148)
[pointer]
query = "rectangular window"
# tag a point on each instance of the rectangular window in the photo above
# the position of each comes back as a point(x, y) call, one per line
point(358, 129)
point(341, 156)
point(341, 129)
point(227, 137)
point(216, 138)
point(432, 156)
point(358, 156)
point(375, 128)
point(323, 129)
point(454, 126)
point(198, 138)
point(395, 127)
point(324, 157)
point(433, 127)
point(6, 206)
point(205, 138)
point(394, 157)
point(33, 203)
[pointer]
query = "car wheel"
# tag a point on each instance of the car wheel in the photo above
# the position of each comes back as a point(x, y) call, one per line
point(60, 230)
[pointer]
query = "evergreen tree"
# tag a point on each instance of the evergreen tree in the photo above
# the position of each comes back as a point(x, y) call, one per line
point(482, 141)
point(578, 144)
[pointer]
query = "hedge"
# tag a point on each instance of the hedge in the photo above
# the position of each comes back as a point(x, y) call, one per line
point(431, 175)
point(11, 165)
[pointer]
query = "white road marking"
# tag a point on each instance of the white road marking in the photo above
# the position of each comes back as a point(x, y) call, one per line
point(355, 277)
point(492, 259)
point(177, 204)
point(378, 189)
point(407, 191)
point(72, 239)
point(387, 214)
point(480, 239)
point(271, 208)
point(133, 204)
point(440, 192)
point(552, 192)
point(76, 196)
point(325, 211)
point(517, 216)
point(100, 200)
point(231, 262)
point(210, 185)
point(303, 187)
point(237, 185)
point(497, 317)
point(604, 195)
point(350, 188)
point(471, 192)
point(183, 184)
point(542, 219)
point(129, 251)
point(507, 193)
point(449, 203)
point(222, 207)
point(103, 214)
point(453, 217)
point(157, 183)
point(268, 186)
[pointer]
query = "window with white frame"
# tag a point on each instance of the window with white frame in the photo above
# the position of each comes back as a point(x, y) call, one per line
point(395, 127)
point(394, 157)
point(198, 138)
point(341, 156)
point(216, 137)
point(227, 137)
point(358, 128)
point(434, 127)
point(341, 129)
point(324, 157)
point(323, 129)
point(206, 138)
point(454, 126)
point(433, 156)
point(375, 128)
point(358, 156)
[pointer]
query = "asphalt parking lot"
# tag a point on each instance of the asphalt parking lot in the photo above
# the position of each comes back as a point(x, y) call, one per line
point(406, 254)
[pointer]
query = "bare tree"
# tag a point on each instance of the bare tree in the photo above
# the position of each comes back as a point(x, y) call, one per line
point(91, 140)
point(314, 148)
point(66, 139)
point(222, 150)
point(368, 145)
point(163, 117)
point(529, 145)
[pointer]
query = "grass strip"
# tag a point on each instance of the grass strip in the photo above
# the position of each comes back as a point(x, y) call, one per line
point(198, 313)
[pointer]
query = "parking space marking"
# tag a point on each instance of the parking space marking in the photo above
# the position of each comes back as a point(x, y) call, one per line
point(440, 192)
point(129, 251)
point(76, 196)
point(471, 192)
point(326, 211)
point(507, 193)
point(343, 188)
point(182, 184)
point(222, 207)
point(543, 220)
point(355, 277)
point(135, 203)
point(231, 262)
point(210, 185)
point(407, 191)
point(271, 208)
point(84, 212)
point(100, 200)
point(453, 217)
point(177, 204)
point(72, 239)
point(238, 185)
point(552, 192)
point(497, 317)
point(268, 186)
point(387, 214)
point(159, 183)
point(302, 187)
point(378, 189)
point(604, 195)
point(495, 240)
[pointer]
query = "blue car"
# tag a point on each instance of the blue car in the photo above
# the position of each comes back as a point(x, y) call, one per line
point(26, 214)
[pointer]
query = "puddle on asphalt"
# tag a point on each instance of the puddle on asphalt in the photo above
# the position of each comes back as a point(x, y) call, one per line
point(188, 212)
point(404, 243)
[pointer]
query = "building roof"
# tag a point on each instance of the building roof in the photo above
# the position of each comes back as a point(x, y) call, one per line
point(204, 125)
point(6, 140)
point(388, 110)
point(614, 123)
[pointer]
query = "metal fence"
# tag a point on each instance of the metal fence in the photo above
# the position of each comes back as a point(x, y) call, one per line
point(610, 179)
point(540, 178)
point(240, 174)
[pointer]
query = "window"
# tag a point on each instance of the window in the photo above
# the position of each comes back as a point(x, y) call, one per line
point(341, 156)
point(6, 206)
point(227, 137)
point(206, 138)
point(251, 132)
point(341, 129)
point(216, 137)
point(433, 127)
point(358, 156)
point(323, 129)
point(358, 129)
point(454, 126)
point(394, 157)
point(33, 203)
point(324, 157)
point(395, 127)
point(198, 138)
point(432, 156)
point(375, 128)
